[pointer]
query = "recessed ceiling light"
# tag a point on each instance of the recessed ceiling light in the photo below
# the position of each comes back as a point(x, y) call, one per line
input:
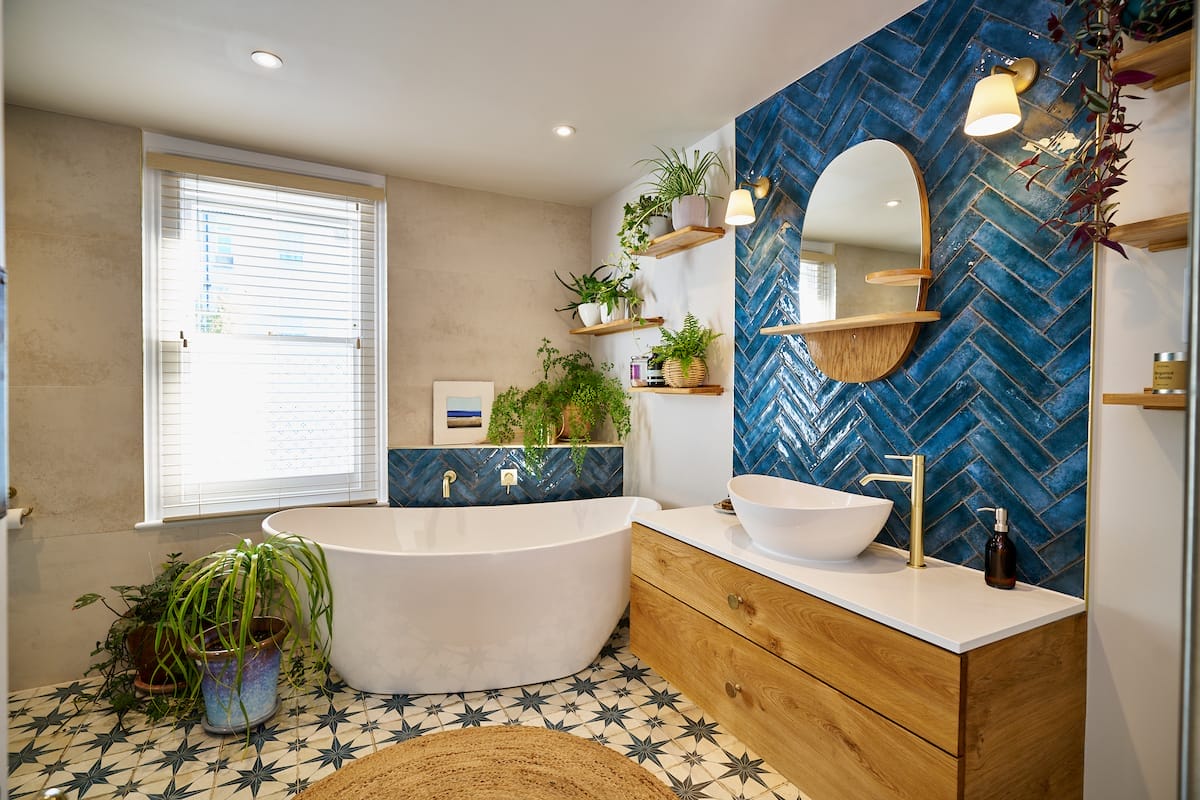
point(266, 60)
point(564, 131)
point(892, 203)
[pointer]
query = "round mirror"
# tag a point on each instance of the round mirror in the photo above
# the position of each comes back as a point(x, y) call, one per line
point(865, 242)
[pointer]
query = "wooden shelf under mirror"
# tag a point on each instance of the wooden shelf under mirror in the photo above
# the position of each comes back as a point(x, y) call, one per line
point(859, 349)
point(619, 326)
point(709, 390)
point(1147, 399)
point(680, 240)
point(899, 277)
point(1158, 234)
point(1170, 61)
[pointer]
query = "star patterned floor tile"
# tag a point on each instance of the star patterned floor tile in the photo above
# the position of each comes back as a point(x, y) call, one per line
point(324, 725)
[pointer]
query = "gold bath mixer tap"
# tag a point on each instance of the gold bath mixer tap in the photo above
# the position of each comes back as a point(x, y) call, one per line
point(448, 477)
point(916, 544)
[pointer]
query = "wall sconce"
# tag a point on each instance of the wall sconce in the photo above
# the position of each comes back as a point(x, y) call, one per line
point(740, 210)
point(994, 108)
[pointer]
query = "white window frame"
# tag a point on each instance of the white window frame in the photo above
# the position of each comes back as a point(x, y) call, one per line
point(151, 213)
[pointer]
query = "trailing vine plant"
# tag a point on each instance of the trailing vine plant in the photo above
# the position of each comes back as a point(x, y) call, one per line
point(1096, 168)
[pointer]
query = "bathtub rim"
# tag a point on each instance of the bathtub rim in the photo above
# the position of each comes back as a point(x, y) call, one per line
point(460, 553)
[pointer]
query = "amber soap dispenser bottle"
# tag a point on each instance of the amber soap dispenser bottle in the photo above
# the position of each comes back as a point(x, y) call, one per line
point(1000, 557)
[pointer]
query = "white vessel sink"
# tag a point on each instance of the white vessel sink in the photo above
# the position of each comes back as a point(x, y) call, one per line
point(803, 521)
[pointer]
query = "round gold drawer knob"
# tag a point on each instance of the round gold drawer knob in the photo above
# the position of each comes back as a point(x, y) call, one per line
point(734, 600)
point(732, 689)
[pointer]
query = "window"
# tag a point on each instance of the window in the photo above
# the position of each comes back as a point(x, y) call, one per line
point(263, 386)
point(818, 288)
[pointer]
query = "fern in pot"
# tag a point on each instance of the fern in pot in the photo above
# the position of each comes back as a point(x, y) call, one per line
point(239, 611)
point(682, 183)
point(683, 353)
point(573, 397)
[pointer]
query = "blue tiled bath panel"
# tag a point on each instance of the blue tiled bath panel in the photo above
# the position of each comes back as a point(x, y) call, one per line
point(996, 393)
point(415, 476)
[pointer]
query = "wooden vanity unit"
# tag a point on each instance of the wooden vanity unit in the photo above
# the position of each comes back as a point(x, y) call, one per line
point(850, 708)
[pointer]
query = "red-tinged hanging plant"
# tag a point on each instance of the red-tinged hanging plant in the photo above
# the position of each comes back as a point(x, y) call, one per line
point(1096, 168)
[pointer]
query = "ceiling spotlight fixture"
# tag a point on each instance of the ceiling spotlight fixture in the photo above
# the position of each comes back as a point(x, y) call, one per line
point(266, 60)
point(564, 131)
point(892, 203)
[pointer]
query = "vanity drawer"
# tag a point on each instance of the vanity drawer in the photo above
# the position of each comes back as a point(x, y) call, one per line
point(911, 682)
point(820, 739)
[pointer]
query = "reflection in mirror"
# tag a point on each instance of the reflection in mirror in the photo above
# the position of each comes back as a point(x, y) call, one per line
point(865, 241)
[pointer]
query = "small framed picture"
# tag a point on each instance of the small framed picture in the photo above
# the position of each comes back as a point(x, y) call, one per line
point(461, 411)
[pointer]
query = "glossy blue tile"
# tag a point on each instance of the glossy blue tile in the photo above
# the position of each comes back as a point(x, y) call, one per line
point(996, 392)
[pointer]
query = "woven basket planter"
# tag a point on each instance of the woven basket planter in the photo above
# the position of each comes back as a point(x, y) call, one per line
point(673, 373)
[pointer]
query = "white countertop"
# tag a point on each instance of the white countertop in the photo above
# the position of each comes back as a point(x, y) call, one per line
point(944, 604)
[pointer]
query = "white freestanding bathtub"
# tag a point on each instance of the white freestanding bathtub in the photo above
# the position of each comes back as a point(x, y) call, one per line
point(462, 599)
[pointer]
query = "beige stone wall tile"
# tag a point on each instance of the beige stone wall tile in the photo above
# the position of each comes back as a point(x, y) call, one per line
point(51, 642)
point(70, 174)
point(75, 455)
point(75, 310)
point(471, 292)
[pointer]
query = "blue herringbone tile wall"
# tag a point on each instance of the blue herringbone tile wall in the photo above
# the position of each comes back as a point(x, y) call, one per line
point(996, 393)
point(415, 475)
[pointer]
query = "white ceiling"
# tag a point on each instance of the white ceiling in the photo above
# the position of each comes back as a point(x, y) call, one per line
point(460, 92)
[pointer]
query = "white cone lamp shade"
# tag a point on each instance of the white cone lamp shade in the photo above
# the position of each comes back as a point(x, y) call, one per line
point(740, 210)
point(994, 108)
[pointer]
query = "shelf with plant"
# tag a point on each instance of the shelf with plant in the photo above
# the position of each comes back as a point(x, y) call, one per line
point(683, 352)
point(1098, 30)
point(572, 398)
point(682, 184)
point(618, 326)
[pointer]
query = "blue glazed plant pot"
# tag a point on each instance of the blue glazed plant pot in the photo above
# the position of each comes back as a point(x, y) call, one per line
point(229, 709)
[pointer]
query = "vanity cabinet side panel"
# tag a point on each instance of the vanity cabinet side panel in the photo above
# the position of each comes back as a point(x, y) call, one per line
point(827, 744)
point(1024, 717)
point(911, 682)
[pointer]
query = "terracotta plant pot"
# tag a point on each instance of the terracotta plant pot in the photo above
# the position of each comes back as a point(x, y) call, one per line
point(152, 676)
point(674, 376)
point(564, 432)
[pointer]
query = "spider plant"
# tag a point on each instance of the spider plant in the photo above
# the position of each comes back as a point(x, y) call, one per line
point(673, 175)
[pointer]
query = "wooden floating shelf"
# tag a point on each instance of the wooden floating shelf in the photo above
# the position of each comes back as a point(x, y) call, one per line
point(709, 390)
point(680, 240)
point(848, 323)
point(899, 277)
point(1147, 399)
point(619, 326)
point(1155, 235)
point(1170, 61)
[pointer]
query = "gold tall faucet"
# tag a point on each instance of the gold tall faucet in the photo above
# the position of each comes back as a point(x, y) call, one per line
point(916, 544)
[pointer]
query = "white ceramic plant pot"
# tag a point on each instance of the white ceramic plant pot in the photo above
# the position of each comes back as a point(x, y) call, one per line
point(619, 311)
point(589, 314)
point(690, 210)
point(658, 225)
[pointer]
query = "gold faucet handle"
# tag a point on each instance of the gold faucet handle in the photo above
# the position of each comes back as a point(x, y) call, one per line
point(900, 458)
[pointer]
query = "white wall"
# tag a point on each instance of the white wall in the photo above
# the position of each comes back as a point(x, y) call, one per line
point(1136, 546)
point(681, 449)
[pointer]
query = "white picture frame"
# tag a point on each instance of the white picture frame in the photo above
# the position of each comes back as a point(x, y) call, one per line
point(461, 411)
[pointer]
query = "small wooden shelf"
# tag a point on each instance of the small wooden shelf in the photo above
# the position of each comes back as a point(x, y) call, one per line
point(899, 277)
point(709, 390)
point(1155, 235)
point(1147, 399)
point(1170, 61)
point(680, 240)
point(848, 323)
point(619, 326)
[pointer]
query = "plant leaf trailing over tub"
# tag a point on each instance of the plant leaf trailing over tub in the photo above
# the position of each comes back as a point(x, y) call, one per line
point(572, 398)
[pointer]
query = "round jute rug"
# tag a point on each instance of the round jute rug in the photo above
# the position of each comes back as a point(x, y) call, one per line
point(489, 764)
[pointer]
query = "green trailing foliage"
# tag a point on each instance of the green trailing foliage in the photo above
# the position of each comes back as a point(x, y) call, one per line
point(634, 235)
point(673, 175)
point(572, 398)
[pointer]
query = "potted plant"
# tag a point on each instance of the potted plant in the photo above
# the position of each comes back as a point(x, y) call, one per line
point(683, 353)
point(1095, 168)
point(683, 184)
point(616, 295)
point(573, 396)
point(237, 610)
point(586, 289)
point(643, 221)
point(134, 672)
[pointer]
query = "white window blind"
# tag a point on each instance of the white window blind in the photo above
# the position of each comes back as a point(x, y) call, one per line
point(818, 290)
point(262, 333)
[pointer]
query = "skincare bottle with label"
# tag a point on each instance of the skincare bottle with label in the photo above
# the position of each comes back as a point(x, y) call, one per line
point(1000, 556)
